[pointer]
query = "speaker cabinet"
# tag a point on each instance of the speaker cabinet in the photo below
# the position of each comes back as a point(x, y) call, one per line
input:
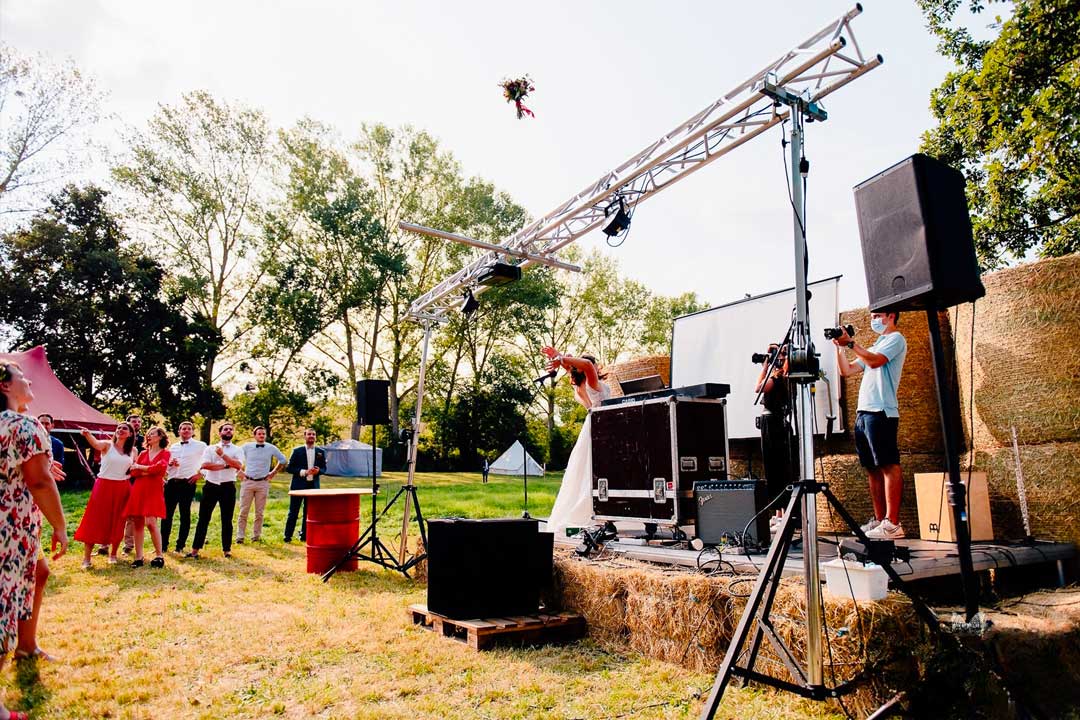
point(373, 402)
point(487, 568)
point(917, 245)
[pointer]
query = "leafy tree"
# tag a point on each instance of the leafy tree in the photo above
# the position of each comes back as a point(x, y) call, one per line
point(660, 315)
point(196, 175)
point(73, 285)
point(41, 104)
point(613, 310)
point(1009, 118)
point(272, 404)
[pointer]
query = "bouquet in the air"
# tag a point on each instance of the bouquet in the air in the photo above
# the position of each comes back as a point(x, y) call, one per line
point(516, 91)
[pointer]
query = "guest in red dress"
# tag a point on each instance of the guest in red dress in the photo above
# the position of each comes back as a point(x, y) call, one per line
point(146, 503)
point(103, 521)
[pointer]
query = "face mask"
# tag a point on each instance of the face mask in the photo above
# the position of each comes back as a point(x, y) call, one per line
point(877, 325)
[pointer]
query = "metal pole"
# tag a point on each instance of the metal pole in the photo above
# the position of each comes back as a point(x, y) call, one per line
point(801, 343)
point(413, 442)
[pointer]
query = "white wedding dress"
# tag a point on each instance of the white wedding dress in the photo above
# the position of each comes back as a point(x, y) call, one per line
point(573, 505)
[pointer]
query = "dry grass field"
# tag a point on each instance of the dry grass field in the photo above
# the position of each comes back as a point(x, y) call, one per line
point(255, 636)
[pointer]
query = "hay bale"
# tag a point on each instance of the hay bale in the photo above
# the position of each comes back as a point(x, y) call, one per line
point(595, 591)
point(847, 480)
point(1021, 376)
point(1051, 474)
point(920, 423)
point(638, 368)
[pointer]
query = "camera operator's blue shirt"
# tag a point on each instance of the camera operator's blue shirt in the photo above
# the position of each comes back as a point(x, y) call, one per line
point(878, 389)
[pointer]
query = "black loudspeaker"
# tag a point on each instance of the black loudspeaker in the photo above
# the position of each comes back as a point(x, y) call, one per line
point(917, 246)
point(373, 402)
point(724, 507)
point(487, 568)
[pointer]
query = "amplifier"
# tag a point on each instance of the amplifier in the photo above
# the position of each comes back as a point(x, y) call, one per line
point(725, 507)
point(646, 456)
point(487, 568)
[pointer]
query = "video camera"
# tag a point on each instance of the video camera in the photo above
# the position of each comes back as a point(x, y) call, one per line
point(839, 332)
point(759, 358)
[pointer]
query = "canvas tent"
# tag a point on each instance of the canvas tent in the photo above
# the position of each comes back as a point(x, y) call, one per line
point(51, 396)
point(514, 461)
point(351, 458)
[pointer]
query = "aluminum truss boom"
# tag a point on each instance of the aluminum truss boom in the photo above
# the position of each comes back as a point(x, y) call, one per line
point(816, 67)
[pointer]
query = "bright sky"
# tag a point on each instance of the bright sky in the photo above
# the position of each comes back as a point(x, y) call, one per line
point(610, 76)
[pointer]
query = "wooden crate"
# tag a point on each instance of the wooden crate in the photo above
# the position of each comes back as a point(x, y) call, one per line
point(483, 633)
point(935, 513)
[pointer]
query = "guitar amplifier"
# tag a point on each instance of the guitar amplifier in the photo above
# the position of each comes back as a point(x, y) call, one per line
point(646, 456)
point(725, 507)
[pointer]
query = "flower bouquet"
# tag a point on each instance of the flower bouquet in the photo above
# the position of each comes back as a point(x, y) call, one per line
point(516, 91)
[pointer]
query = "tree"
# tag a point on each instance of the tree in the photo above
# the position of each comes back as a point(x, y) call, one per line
point(660, 316)
point(272, 404)
point(196, 174)
point(73, 285)
point(41, 103)
point(1009, 118)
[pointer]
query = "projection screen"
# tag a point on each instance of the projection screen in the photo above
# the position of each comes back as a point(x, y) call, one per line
point(715, 345)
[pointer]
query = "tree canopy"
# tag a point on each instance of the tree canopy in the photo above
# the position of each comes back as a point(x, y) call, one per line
point(1009, 118)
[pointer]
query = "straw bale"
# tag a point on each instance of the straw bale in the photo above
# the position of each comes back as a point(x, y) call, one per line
point(1024, 371)
point(1051, 479)
point(638, 368)
point(847, 480)
point(595, 591)
point(920, 421)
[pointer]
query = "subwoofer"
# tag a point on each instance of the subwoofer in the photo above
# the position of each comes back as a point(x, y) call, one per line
point(917, 245)
point(373, 402)
point(487, 568)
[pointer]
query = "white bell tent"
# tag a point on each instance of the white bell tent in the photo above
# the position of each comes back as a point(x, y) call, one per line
point(513, 462)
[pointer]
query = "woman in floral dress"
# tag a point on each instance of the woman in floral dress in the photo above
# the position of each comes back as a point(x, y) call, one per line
point(26, 485)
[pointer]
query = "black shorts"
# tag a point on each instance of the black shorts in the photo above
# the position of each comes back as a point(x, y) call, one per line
point(875, 439)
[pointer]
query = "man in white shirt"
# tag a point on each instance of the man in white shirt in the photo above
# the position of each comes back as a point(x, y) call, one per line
point(262, 461)
point(306, 464)
point(181, 479)
point(221, 461)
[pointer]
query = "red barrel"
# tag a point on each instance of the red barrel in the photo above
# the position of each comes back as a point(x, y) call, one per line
point(333, 526)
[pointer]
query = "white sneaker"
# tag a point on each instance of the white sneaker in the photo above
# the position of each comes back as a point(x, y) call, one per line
point(874, 522)
point(886, 531)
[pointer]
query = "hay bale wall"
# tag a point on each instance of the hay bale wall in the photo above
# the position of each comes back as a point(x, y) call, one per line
point(638, 368)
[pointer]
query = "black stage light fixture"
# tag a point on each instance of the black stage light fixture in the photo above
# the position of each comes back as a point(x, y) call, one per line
point(470, 303)
point(499, 273)
point(618, 219)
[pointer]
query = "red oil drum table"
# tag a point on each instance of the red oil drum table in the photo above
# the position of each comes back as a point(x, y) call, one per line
point(333, 525)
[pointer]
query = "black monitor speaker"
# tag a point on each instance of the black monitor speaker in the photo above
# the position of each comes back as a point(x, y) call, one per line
point(917, 245)
point(373, 402)
point(487, 568)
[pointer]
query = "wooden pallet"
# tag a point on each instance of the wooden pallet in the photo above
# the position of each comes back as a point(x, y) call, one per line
point(483, 633)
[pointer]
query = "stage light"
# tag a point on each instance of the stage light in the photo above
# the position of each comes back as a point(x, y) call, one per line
point(618, 220)
point(469, 303)
point(499, 273)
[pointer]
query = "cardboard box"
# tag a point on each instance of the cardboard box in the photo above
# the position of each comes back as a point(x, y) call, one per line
point(935, 515)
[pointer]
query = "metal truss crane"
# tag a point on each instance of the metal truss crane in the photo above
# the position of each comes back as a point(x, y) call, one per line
point(823, 63)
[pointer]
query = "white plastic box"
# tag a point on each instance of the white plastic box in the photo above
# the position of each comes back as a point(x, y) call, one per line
point(868, 582)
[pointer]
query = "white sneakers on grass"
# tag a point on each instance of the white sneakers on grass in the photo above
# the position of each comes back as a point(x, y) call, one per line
point(884, 530)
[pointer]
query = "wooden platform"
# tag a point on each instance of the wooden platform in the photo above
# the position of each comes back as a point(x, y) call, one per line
point(483, 633)
point(928, 559)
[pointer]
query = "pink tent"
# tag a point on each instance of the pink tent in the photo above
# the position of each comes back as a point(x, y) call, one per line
point(51, 396)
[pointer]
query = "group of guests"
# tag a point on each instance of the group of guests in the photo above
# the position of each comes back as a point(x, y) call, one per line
point(144, 480)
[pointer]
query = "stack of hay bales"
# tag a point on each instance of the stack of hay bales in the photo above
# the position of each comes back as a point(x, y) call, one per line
point(920, 440)
point(1025, 372)
point(638, 368)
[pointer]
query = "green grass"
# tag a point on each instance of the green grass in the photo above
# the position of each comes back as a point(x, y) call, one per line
point(256, 637)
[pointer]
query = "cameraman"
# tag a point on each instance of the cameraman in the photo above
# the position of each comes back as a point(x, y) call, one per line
point(878, 418)
point(778, 449)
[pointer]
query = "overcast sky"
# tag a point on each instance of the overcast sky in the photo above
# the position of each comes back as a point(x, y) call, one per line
point(610, 78)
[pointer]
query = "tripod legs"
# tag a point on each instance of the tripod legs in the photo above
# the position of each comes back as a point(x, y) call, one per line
point(379, 553)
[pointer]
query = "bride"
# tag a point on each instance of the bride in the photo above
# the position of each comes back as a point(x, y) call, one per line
point(573, 505)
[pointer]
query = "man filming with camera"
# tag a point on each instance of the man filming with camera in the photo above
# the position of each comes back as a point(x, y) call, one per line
point(878, 418)
point(779, 455)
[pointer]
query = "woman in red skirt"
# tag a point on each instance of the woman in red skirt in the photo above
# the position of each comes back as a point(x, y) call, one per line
point(103, 521)
point(146, 504)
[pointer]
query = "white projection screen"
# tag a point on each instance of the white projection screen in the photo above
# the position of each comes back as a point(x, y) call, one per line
point(715, 346)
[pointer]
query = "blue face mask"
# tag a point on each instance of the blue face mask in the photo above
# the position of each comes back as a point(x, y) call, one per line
point(877, 325)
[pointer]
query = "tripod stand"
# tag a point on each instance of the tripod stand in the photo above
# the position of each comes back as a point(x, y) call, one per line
point(377, 552)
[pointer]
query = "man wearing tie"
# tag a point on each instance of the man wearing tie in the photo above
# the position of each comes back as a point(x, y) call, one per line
point(306, 464)
point(258, 457)
point(180, 481)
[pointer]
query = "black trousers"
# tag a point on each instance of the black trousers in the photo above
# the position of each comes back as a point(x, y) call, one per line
point(779, 456)
point(179, 494)
point(294, 508)
point(212, 495)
